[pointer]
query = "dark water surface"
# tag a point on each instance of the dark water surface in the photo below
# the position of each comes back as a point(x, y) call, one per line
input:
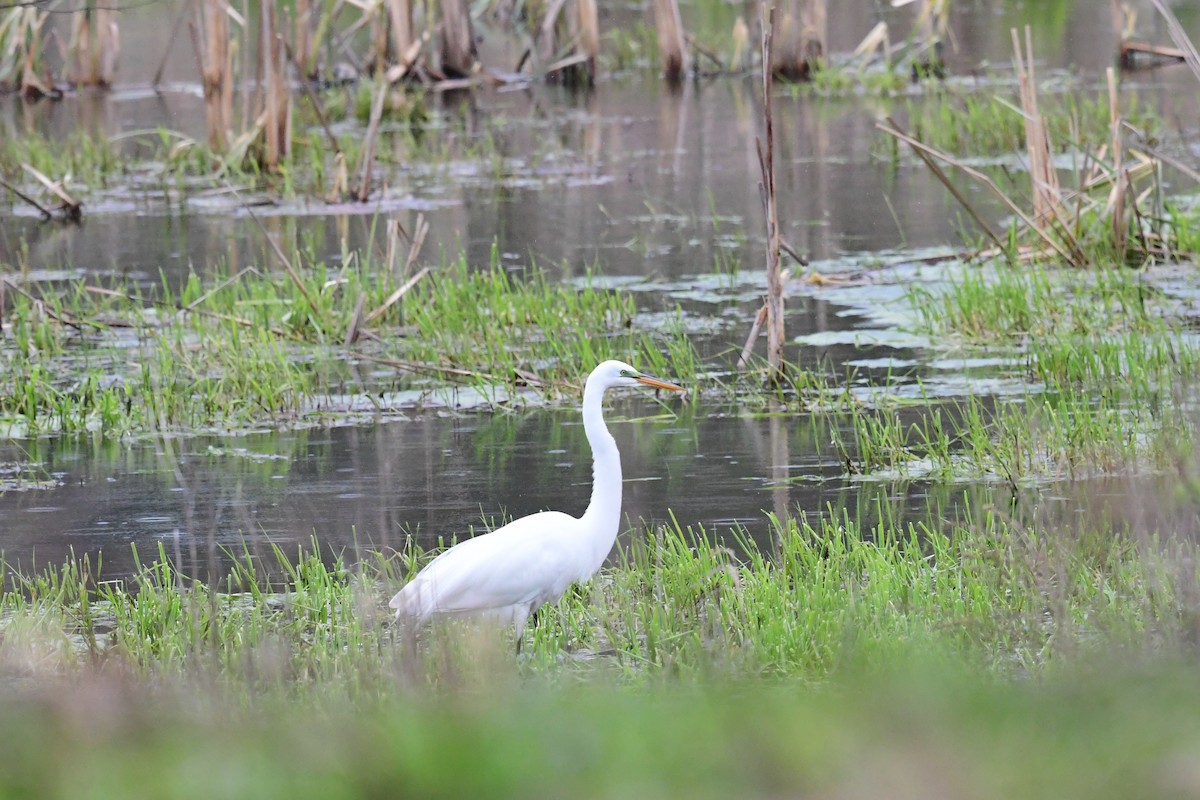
point(431, 476)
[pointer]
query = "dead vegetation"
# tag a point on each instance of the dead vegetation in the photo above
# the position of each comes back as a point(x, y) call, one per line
point(1113, 213)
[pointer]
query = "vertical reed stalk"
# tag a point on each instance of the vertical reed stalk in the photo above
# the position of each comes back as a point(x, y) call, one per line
point(94, 47)
point(766, 162)
point(588, 33)
point(368, 153)
point(216, 70)
point(1047, 198)
point(1116, 198)
point(25, 44)
point(669, 26)
point(800, 40)
point(303, 49)
point(400, 16)
point(276, 114)
point(458, 40)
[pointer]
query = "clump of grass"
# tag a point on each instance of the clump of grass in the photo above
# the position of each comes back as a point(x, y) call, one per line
point(821, 595)
point(997, 304)
point(240, 350)
point(979, 125)
point(505, 324)
point(816, 649)
point(1105, 362)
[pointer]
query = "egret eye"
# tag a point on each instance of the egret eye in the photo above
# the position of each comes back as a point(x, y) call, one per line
point(627, 373)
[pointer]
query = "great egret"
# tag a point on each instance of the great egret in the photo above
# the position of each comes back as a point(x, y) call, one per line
point(514, 570)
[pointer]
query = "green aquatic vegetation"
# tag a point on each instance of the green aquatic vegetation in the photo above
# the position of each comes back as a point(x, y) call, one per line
point(91, 161)
point(629, 48)
point(1010, 303)
point(1105, 356)
point(258, 347)
point(290, 664)
point(681, 604)
point(980, 124)
point(502, 324)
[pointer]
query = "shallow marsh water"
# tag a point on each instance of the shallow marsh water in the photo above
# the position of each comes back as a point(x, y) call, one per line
point(650, 189)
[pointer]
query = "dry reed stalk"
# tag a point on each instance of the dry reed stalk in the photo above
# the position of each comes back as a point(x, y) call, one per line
point(1047, 198)
point(458, 56)
point(1116, 197)
point(415, 242)
point(94, 47)
point(379, 39)
point(401, 23)
point(251, 100)
point(919, 147)
point(395, 230)
point(547, 36)
point(169, 50)
point(766, 163)
point(946, 182)
point(1135, 56)
point(395, 296)
point(800, 40)
point(307, 88)
point(45, 212)
point(699, 47)
point(587, 34)
point(26, 43)
point(752, 337)
point(453, 372)
point(878, 40)
point(276, 110)
point(211, 39)
point(671, 41)
point(580, 33)
point(287, 264)
point(354, 328)
point(302, 52)
point(70, 206)
point(368, 154)
point(341, 179)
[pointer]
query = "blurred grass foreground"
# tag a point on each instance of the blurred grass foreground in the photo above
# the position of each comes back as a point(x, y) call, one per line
point(983, 660)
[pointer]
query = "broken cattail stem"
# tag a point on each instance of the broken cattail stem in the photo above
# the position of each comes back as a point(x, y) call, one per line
point(671, 40)
point(744, 359)
point(368, 155)
point(395, 296)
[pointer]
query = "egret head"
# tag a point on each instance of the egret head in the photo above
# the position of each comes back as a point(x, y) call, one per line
point(618, 373)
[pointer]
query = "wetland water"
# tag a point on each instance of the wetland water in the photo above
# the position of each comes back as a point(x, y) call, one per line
point(651, 189)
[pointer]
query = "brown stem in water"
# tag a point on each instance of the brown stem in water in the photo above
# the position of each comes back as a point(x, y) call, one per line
point(766, 163)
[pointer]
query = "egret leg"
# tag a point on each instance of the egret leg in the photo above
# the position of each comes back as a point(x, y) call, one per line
point(520, 616)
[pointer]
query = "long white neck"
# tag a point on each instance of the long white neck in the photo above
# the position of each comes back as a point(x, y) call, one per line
point(603, 516)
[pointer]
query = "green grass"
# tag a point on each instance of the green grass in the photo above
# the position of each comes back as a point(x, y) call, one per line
point(991, 591)
point(1050, 660)
point(982, 124)
point(1105, 366)
point(240, 350)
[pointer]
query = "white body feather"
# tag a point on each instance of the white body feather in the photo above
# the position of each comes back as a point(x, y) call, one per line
point(510, 573)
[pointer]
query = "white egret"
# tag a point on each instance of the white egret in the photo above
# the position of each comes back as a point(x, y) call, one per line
point(514, 570)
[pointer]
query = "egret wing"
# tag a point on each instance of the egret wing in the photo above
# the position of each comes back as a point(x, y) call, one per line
point(525, 561)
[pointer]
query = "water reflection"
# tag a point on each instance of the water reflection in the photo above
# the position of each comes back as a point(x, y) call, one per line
point(429, 477)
